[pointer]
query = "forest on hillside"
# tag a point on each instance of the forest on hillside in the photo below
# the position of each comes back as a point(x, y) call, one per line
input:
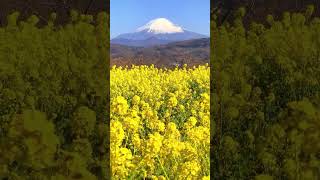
point(54, 98)
point(265, 91)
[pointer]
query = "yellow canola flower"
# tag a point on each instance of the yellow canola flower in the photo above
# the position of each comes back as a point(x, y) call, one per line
point(199, 135)
point(131, 124)
point(190, 123)
point(136, 99)
point(172, 131)
point(206, 178)
point(160, 122)
point(161, 178)
point(181, 108)
point(116, 133)
point(189, 170)
point(120, 105)
point(121, 164)
point(172, 147)
point(173, 101)
point(154, 143)
point(136, 140)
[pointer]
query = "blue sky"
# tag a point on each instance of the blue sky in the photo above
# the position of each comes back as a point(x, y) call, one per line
point(127, 15)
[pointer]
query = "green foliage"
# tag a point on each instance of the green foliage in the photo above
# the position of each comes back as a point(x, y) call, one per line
point(266, 112)
point(53, 98)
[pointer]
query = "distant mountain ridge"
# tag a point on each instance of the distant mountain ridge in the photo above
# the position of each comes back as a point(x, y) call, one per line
point(159, 31)
point(152, 41)
point(191, 52)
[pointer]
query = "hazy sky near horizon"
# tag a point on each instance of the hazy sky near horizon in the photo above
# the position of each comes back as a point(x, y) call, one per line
point(127, 15)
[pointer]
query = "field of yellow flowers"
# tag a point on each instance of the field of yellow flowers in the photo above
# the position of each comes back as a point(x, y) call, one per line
point(160, 123)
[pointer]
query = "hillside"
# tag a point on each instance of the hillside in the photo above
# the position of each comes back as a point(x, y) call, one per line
point(191, 52)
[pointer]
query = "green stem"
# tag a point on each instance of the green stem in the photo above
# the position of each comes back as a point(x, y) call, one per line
point(162, 168)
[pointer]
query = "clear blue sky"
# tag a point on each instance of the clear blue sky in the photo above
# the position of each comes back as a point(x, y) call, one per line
point(127, 15)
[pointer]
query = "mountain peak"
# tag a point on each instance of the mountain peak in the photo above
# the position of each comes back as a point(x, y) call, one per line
point(156, 32)
point(161, 26)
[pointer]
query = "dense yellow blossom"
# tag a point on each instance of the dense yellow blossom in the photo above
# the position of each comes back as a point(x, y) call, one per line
point(160, 123)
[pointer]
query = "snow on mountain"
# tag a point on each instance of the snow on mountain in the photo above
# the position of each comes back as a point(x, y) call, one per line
point(156, 32)
point(160, 26)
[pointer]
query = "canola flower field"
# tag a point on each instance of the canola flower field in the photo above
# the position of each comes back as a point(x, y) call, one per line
point(160, 122)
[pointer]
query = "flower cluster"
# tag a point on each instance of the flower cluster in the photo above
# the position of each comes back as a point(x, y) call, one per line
point(160, 123)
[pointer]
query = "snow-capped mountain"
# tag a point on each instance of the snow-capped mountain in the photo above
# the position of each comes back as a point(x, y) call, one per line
point(160, 26)
point(156, 32)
